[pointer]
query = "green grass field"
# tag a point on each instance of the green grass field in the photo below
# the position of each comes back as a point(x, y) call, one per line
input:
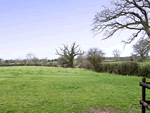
point(31, 89)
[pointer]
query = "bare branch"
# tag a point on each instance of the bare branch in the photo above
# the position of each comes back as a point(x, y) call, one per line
point(134, 12)
point(142, 48)
point(132, 38)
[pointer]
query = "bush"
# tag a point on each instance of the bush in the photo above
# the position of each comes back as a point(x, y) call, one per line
point(116, 68)
point(129, 68)
point(73, 66)
point(62, 61)
point(144, 71)
point(50, 64)
point(131, 59)
point(107, 68)
point(55, 65)
point(61, 66)
point(76, 64)
point(65, 65)
point(30, 64)
point(38, 64)
point(83, 65)
point(98, 67)
point(89, 66)
point(11, 65)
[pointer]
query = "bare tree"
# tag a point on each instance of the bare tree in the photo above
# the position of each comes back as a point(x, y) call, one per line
point(1, 60)
point(44, 61)
point(35, 60)
point(30, 57)
point(70, 54)
point(142, 48)
point(134, 13)
point(6, 61)
point(95, 56)
point(116, 54)
point(17, 61)
point(24, 61)
point(80, 59)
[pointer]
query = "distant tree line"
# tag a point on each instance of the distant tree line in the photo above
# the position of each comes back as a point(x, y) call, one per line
point(30, 59)
point(67, 55)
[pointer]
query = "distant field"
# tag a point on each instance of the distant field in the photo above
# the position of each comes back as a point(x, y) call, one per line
point(55, 62)
point(147, 62)
point(38, 89)
point(74, 62)
point(114, 62)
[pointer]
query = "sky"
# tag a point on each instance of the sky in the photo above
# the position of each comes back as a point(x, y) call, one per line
point(42, 26)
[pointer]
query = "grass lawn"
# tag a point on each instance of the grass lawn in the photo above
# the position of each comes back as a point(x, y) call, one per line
point(35, 89)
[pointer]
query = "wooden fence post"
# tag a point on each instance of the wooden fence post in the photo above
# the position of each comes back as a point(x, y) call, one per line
point(145, 103)
point(143, 95)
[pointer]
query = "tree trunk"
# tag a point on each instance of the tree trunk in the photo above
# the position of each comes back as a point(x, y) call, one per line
point(142, 58)
point(70, 63)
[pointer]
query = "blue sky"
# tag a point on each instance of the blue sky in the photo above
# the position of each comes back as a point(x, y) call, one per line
point(41, 26)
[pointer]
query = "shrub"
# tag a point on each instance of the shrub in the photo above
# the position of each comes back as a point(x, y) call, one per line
point(50, 64)
point(129, 68)
point(65, 65)
point(104, 68)
point(62, 61)
point(108, 68)
point(144, 71)
point(38, 64)
point(116, 68)
point(29, 64)
point(131, 59)
point(89, 66)
point(82, 65)
point(61, 66)
point(95, 57)
point(55, 65)
point(75, 64)
point(11, 64)
point(98, 67)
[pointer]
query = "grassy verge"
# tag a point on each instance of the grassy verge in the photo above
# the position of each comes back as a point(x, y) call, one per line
point(58, 90)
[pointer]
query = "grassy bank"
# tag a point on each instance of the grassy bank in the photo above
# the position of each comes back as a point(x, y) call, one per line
point(58, 90)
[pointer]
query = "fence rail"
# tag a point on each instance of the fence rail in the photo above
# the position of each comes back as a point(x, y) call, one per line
point(145, 103)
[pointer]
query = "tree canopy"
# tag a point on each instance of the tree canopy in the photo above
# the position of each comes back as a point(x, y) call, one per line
point(134, 15)
point(142, 48)
point(70, 54)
